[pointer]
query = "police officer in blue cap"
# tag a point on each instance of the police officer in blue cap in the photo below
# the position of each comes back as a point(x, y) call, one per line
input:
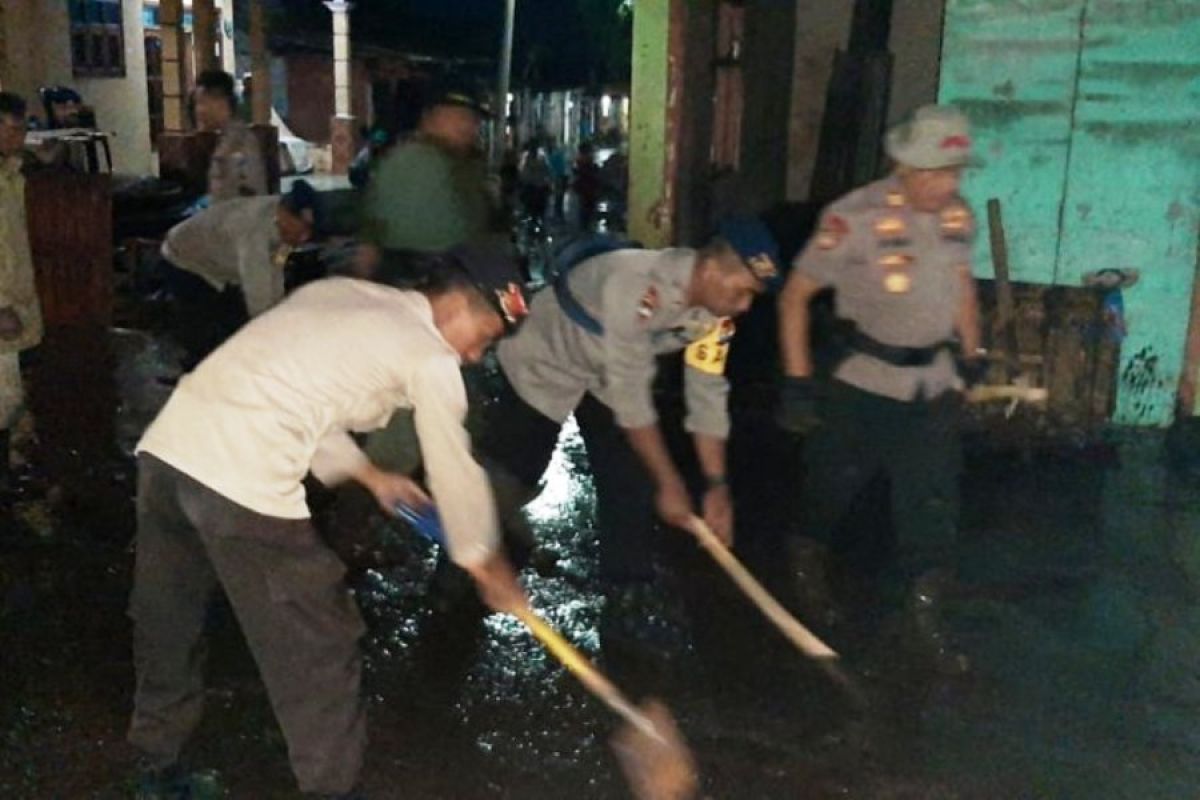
point(590, 348)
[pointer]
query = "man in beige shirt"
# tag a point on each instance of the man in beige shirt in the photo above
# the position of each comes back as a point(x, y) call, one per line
point(20, 310)
point(221, 500)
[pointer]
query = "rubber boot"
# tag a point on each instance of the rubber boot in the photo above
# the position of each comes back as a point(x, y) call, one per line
point(928, 634)
point(808, 568)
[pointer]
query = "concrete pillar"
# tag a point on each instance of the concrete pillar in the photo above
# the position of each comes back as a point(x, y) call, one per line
point(343, 136)
point(260, 65)
point(228, 35)
point(204, 35)
point(170, 20)
point(3, 48)
point(821, 29)
point(659, 28)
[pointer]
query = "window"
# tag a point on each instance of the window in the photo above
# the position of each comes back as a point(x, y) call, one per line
point(97, 39)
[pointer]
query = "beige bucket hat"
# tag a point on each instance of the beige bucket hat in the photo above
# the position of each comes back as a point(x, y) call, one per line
point(935, 137)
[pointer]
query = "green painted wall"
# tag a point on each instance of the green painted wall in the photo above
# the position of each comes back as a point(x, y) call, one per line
point(648, 119)
point(1086, 118)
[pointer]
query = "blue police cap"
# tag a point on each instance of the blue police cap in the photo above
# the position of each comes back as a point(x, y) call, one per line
point(753, 241)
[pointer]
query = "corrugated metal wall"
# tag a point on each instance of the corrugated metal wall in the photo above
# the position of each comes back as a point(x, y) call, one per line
point(1087, 117)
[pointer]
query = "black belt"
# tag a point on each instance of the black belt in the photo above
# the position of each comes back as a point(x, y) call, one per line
point(893, 354)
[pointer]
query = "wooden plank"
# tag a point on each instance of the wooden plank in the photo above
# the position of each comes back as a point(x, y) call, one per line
point(1005, 324)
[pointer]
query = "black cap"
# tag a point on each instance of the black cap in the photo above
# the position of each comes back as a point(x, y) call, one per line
point(303, 197)
point(459, 94)
point(496, 276)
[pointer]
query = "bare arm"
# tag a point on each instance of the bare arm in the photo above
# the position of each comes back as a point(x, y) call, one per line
point(647, 441)
point(794, 341)
point(967, 322)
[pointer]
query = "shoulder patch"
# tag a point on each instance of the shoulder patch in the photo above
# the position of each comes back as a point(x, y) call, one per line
point(833, 231)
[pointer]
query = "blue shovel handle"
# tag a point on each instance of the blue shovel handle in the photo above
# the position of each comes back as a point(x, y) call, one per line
point(425, 521)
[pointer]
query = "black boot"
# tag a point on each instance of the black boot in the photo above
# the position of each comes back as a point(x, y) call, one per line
point(927, 632)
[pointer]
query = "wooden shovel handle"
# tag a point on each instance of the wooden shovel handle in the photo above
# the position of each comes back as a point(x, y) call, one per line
point(1026, 394)
point(804, 639)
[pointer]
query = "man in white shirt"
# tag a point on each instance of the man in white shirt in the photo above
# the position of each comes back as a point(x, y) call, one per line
point(226, 264)
point(220, 499)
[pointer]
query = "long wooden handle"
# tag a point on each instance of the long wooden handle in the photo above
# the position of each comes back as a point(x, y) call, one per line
point(1026, 394)
point(583, 669)
point(802, 637)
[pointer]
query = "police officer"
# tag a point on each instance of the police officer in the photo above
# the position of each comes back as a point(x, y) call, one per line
point(237, 168)
point(589, 347)
point(897, 253)
point(220, 501)
point(226, 264)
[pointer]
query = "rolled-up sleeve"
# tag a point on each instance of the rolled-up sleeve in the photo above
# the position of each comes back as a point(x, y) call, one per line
point(460, 486)
point(336, 459)
point(629, 361)
point(707, 398)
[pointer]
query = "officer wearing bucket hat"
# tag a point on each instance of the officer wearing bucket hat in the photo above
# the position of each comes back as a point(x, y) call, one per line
point(221, 501)
point(590, 348)
point(897, 253)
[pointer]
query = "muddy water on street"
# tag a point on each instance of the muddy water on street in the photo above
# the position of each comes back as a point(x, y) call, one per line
point(1081, 620)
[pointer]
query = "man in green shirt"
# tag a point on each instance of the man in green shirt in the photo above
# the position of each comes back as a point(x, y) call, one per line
point(430, 193)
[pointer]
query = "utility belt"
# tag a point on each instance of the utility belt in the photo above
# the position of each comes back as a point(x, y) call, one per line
point(855, 341)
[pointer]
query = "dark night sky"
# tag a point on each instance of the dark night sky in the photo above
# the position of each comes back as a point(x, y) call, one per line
point(557, 42)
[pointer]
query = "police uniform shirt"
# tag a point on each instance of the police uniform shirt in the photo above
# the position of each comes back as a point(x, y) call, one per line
point(897, 273)
point(282, 396)
point(234, 243)
point(640, 298)
point(237, 168)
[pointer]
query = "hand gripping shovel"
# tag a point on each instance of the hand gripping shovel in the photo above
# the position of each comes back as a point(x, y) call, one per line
point(650, 749)
point(804, 639)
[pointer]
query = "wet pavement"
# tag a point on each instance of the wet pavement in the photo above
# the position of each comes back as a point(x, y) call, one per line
point(1080, 617)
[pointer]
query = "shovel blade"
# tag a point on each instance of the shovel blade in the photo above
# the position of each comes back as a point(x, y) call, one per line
point(660, 768)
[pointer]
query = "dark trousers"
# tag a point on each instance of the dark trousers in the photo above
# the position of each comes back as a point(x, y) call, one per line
point(915, 445)
point(297, 615)
point(520, 440)
point(204, 317)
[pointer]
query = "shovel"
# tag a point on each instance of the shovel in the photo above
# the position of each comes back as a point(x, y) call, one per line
point(805, 640)
point(655, 759)
point(652, 754)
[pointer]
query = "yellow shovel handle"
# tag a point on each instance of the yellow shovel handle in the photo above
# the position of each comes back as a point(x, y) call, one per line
point(583, 669)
